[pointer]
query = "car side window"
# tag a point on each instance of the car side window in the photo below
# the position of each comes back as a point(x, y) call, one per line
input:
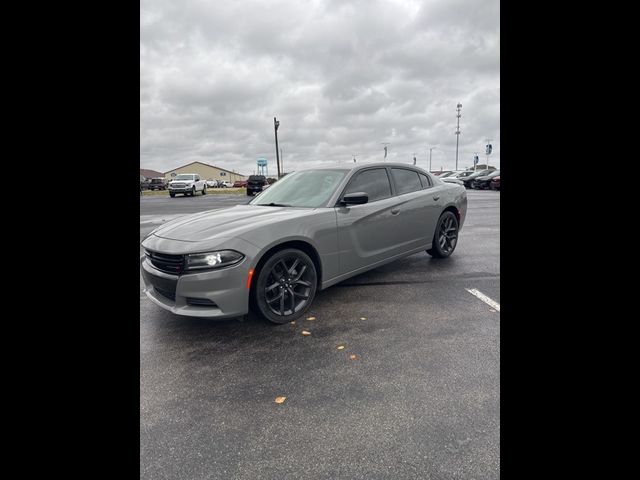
point(406, 180)
point(375, 183)
point(426, 181)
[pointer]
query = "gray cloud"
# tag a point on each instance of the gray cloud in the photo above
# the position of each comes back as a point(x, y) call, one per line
point(342, 77)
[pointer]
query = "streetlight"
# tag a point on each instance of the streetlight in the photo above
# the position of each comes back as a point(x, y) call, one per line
point(385, 149)
point(458, 108)
point(430, 150)
point(276, 124)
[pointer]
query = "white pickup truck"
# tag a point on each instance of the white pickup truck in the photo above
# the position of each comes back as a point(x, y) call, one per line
point(188, 184)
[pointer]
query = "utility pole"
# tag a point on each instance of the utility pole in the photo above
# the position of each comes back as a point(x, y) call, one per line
point(385, 149)
point(458, 108)
point(282, 160)
point(430, 150)
point(276, 124)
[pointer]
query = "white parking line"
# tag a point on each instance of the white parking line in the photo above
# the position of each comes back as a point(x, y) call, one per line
point(484, 298)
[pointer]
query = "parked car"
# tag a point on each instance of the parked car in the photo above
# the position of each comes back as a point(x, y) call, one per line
point(255, 184)
point(157, 184)
point(443, 173)
point(212, 183)
point(452, 179)
point(467, 180)
point(144, 183)
point(225, 184)
point(482, 182)
point(240, 184)
point(462, 175)
point(495, 183)
point(187, 184)
point(308, 231)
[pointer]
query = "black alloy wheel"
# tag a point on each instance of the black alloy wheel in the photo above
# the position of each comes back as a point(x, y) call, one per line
point(286, 286)
point(445, 237)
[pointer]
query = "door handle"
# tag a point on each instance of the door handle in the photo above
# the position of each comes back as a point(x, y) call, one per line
point(395, 211)
point(436, 197)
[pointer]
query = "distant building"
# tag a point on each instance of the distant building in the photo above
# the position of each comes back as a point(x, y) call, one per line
point(146, 173)
point(206, 172)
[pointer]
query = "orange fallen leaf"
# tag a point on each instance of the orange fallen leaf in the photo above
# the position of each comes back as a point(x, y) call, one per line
point(340, 347)
point(305, 333)
point(311, 318)
point(353, 357)
point(280, 399)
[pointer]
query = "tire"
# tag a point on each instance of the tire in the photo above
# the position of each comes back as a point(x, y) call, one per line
point(444, 244)
point(204, 190)
point(193, 191)
point(172, 195)
point(278, 307)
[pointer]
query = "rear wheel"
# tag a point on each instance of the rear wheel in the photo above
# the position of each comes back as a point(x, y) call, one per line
point(286, 286)
point(445, 237)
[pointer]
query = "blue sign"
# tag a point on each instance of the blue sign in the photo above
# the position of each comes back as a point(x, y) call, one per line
point(262, 162)
point(489, 149)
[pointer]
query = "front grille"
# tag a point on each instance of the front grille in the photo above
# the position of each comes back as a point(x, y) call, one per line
point(178, 185)
point(166, 293)
point(166, 263)
point(200, 302)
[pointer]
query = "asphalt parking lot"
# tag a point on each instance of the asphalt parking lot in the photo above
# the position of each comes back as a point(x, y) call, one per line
point(421, 399)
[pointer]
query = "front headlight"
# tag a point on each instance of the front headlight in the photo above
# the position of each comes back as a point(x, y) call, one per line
point(209, 260)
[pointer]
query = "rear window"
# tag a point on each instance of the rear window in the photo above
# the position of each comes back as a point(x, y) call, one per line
point(426, 181)
point(257, 178)
point(406, 180)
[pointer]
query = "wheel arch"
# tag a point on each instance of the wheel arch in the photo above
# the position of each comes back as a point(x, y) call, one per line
point(299, 243)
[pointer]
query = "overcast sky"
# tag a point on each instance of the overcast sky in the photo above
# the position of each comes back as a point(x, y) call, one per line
point(341, 76)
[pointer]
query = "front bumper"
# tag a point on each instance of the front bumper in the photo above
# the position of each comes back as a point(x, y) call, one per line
point(226, 288)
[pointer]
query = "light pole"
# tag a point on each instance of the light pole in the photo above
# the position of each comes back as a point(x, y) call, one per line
point(487, 152)
point(385, 149)
point(276, 124)
point(458, 108)
point(282, 160)
point(430, 150)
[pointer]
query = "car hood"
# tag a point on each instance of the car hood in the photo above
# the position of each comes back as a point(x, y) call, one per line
point(226, 222)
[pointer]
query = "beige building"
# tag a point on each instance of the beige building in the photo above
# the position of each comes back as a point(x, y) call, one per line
point(206, 172)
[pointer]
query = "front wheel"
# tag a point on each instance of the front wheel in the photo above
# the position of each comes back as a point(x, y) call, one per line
point(172, 195)
point(286, 286)
point(445, 237)
point(193, 191)
point(204, 190)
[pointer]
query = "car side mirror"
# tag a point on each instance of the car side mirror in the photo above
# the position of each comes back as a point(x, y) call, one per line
point(355, 198)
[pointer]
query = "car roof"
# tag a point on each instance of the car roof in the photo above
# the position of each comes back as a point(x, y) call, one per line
point(362, 166)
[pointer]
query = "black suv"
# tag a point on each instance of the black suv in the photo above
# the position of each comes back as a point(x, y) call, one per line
point(255, 184)
point(158, 184)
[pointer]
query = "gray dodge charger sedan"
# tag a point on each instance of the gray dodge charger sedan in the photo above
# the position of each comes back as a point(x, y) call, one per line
point(310, 230)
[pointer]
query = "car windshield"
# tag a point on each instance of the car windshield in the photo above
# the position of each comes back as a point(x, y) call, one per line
point(184, 177)
point(307, 188)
